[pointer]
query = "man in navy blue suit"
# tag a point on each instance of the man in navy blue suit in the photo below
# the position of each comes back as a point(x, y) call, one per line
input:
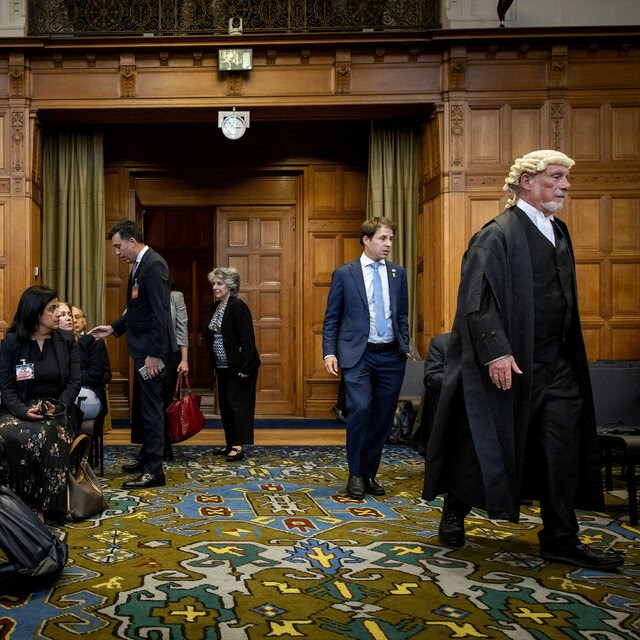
point(366, 333)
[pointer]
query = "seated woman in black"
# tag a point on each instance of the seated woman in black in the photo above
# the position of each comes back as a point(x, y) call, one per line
point(37, 363)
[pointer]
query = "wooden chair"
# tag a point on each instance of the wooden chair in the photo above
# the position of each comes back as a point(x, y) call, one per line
point(94, 429)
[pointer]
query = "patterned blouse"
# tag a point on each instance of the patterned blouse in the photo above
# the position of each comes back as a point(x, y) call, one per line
point(218, 343)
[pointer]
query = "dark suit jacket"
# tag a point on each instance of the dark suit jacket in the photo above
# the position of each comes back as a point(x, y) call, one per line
point(434, 364)
point(96, 369)
point(147, 318)
point(16, 394)
point(346, 322)
point(239, 338)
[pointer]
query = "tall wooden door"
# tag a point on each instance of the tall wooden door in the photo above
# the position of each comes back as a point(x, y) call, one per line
point(259, 242)
point(184, 238)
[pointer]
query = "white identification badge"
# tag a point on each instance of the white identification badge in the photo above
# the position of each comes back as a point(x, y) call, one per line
point(25, 371)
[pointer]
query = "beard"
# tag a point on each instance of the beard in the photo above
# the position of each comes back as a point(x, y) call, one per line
point(553, 207)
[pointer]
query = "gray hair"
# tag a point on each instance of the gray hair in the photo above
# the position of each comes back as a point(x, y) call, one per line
point(532, 163)
point(229, 275)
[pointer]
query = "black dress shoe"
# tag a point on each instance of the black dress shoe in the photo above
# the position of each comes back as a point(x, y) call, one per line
point(222, 451)
point(451, 529)
point(373, 488)
point(145, 481)
point(134, 467)
point(582, 555)
point(339, 414)
point(355, 487)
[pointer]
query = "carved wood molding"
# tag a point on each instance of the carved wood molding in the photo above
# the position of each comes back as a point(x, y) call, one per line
point(234, 83)
point(558, 67)
point(457, 134)
point(457, 73)
point(457, 181)
point(128, 81)
point(91, 60)
point(5, 186)
point(620, 180)
point(492, 182)
point(16, 79)
point(17, 133)
point(343, 78)
point(197, 58)
point(271, 56)
point(305, 56)
point(164, 58)
point(380, 53)
point(557, 125)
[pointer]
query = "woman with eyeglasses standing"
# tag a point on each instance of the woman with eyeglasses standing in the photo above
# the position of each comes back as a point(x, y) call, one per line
point(235, 360)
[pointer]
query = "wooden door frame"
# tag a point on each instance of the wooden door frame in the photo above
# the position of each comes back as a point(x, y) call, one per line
point(203, 197)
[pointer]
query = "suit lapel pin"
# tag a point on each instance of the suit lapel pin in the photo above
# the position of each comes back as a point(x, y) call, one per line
point(393, 273)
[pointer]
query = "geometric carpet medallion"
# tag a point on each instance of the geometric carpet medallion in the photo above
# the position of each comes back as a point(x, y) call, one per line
point(271, 547)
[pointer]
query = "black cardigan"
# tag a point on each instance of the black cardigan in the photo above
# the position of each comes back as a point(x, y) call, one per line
point(15, 394)
point(238, 337)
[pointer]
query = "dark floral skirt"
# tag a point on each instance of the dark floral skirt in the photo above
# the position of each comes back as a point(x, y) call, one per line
point(34, 460)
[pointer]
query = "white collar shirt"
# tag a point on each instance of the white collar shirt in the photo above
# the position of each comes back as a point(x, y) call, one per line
point(136, 264)
point(543, 223)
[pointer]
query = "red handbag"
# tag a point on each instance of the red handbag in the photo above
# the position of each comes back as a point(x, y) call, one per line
point(185, 417)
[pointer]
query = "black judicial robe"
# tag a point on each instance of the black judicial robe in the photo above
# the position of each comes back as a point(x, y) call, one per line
point(477, 448)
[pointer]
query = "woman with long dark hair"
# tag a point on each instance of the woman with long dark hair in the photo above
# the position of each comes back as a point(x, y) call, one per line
point(39, 382)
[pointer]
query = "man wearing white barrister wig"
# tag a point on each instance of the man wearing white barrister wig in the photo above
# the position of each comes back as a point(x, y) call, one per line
point(515, 418)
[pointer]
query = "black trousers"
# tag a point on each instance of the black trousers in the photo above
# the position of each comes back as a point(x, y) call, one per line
point(237, 400)
point(149, 412)
point(553, 444)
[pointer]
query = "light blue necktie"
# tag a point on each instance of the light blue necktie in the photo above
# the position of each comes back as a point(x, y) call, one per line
point(378, 300)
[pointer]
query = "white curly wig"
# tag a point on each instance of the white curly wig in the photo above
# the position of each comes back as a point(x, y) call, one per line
point(533, 163)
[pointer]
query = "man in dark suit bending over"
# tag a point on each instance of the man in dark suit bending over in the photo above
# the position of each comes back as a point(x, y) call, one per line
point(366, 333)
point(147, 323)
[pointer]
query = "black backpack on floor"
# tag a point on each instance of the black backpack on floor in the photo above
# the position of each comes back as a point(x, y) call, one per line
point(36, 557)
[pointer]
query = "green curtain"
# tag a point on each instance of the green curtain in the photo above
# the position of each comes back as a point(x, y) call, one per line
point(392, 192)
point(73, 245)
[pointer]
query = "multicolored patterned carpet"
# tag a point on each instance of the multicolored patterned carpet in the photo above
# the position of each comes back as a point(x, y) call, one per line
point(270, 547)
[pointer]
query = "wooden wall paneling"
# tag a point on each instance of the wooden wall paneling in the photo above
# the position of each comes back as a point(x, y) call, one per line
point(587, 128)
point(259, 242)
point(625, 124)
point(337, 205)
point(117, 274)
point(528, 130)
point(486, 135)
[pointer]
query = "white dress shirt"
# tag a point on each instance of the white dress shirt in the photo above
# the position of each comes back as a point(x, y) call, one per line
point(367, 272)
point(543, 223)
point(136, 264)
